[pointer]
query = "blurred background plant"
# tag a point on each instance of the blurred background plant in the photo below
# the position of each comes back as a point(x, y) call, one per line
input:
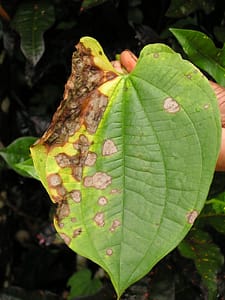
point(37, 39)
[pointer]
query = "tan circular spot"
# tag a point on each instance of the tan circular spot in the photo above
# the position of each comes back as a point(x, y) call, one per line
point(109, 148)
point(102, 201)
point(191, 216)
point(109, 251)
point(76, 196)
point(91, 159)
point(171, 105)
point(73, 220)
point(99, 219)
point(54, 180)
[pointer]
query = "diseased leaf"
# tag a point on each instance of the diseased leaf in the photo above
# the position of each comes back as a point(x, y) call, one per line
point(17, 155)
point(199, 246)
point(127, 159)
point(31, 20)
point(202, 52)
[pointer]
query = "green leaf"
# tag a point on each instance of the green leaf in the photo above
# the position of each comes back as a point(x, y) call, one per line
point(31, 20)
point(218, 203)
point(181, 8)
point(81, 284)
point(17, 156)
point(202, 52)
point(127, 159)
point(199, 247)
point(86, 4)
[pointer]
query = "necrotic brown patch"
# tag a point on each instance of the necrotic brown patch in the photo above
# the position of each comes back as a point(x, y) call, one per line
point(191, 216)
point(108, 148)
point(62, 211)
point(99, 219)
point(170, 105)
point(99, 180)
point(65, 161)
point(82, 103)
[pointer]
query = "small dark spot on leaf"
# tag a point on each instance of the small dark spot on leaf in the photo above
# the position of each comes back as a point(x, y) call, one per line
point(156, 55)
point(73, 220)
point(100, 52)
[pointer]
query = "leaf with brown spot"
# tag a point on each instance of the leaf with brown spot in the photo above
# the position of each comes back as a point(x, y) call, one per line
point(127, 158)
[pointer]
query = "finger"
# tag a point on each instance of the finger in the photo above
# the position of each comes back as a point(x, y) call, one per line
point(128, 60)
point(220, 165)
point(220, 94)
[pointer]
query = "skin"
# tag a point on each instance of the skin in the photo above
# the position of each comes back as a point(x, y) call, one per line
point(128, 61)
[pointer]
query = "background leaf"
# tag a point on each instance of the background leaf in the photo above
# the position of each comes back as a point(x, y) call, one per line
point(31, 20)
point(82, 284)
point(199, 246)
point(181, 8)
point(90, 3)
point(17, 156)
point(145, 170)
point(202, 52)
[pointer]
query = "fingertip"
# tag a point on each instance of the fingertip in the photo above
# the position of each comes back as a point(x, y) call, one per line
point(128, 60)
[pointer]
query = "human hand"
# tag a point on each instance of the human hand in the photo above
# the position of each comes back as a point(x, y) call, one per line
point(128, 61)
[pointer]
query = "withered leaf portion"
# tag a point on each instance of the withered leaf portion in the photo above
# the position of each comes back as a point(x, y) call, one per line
point(64, 146)
point(82, 102)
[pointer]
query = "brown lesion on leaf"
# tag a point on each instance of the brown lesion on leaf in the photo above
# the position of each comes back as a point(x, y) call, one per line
point(99, 219)
point(99, 180)
point(102, 201)
point(115, 224)
point(66, 238)
point(54, 180)
point(82, 101)
point(90, 159)
point(64, 160)
point(191, 216)
point(77, 232)
point(171, 105)
point(109, 148)
point(109, 252)
point(62, 211)
point(75, 195)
